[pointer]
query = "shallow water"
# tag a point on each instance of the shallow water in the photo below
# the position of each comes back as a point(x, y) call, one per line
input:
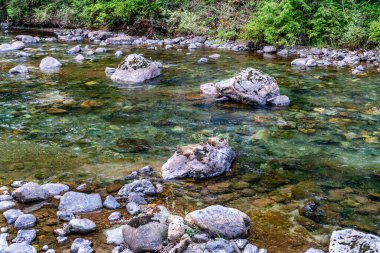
point(327, 140)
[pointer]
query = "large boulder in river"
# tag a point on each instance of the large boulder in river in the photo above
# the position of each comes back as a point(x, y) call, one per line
point(29, 192)
point(209, 159)
point(250, 86)
point(136, 69)
point(142, 234)
point(77, 202)
point(50, 64)
point(350, 240)
point(222, 221)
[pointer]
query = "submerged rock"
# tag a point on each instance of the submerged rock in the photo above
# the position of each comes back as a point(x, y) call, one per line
point(50, 64)
point(11, 215)
point(204, 160)
point(250, 86)
point(29, 192)
point(220, 221)
point(19, 70)
point(142, 234)
point(18, 45)
point(350, 240)
point(135, 69)
point(77, 202)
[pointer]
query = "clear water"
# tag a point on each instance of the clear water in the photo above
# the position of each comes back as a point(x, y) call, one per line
point(327, 139)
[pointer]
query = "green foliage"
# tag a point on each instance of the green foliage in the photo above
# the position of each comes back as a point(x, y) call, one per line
point(374, 31)
point(227, 35)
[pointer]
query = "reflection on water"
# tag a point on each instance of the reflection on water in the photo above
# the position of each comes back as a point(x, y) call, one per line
point(78, 125)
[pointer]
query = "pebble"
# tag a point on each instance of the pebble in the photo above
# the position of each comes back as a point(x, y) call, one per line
point(80, 243)
point(25, 221)
point(81, 226)
point(45, 248)
point(65, 216)
point(62, 239)
point(50, 251)
point(114, 216)
point(4, 230)
point(17, 184)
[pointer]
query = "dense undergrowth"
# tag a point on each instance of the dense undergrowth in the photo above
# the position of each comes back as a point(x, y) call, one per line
point(340, 23)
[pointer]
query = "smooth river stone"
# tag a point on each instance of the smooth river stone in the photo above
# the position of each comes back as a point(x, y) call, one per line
point(77, 202)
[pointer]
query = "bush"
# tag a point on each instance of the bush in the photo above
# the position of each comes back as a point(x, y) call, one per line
point(374, 32)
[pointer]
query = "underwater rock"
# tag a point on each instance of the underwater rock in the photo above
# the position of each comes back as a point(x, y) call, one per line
point(221, 221)
point(19, 70)
point(350, 240)
point(209, 159)
point(49, 64)
point(131, 145)
point(135, 69)
point(250, 86)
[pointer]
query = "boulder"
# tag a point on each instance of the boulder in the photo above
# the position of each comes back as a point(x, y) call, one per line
point(77, 202)
point(18, 45)
point(135, 69)
point(250, 86)
point(350, 240)
point(20, 248)
point(209, 159)
point(143, 186)
point(222, 221)
point(81, 226)
point(53, 189)
point(29, 192)
point(50, 64)
point(19, 70)
point(142, 234)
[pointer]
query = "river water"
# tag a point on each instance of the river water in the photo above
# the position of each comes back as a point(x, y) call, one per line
point(322, 151)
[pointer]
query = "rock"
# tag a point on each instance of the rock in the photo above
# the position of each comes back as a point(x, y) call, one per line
point(45, 248)
point(77, 202)
point(53, 189)
point(19, 70)
point(81, 226)
point(50, 251)
point(192, 46)
point(251, 249)
point(79, 58)
point(279, 101)
point(109, 71)
point(114, 235)
point(119, 53)
point(241, 243)
point(65, 216)
point(11, 215)
point(4, 230)
point(111, 203)
point(138, 198)
point(204, 160)
point(143, 186)
point(312, 250)
point(29, 192)
point(142, 234)
point(176, 229)
point(62, 239)
point(219, 220)
point(18, 45)
point(263, 251)
point(133, 208)
point(135, 69)
point(146, 170)
point(270, 49)
point(6, 47)
point(250, 86)
point(25, 236)
point(203, 60)
point(20, 248)
point(3, 242)
point(25, 221)
point(350, 240)
point(90, 53)
point(201, 238)
point(75, 50)
point(283, 52)
point(219, 246)
point(209, 89)
point(49, 64)
point(5, 205)
point(23, 54)
point(81, 244)
point(100, 50)
point(114, 216)
point(17, 184)
point(214, 56)
point(132, 176)
point(27, 39)
point(304, 62)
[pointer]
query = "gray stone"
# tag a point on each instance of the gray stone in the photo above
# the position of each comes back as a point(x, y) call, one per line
point(204, 160)
point(18, 45)
point(201, 238)
point(5, 205)
point(304, 62)
point(79, 58)
point(135, 69)
point(3, 242)
point(132, 176)
point(219, 246)
point(114, 235)
point(111, 203)
point(143, 186)
point(29, 192)
point(81, 226)
point(50, 251)
point(27, 39)
point(74, 50)
point(209, 89)
point(352, 241)
point(109, 71)
point(146, 170)
point(6, 47)
point(17, 184)
point(45, 248)
point(219, 220)
point(100, 50)
point(251, 249)
point(77, 202)
point(20, 248)
point(53, 189)
point(133, 208)
point(80, 243)
point(270, 49)
point(25, 221)
point(214, 56)
point(263, 251)
point(279, 101)
point(119, 53)
point(11, 215)
point(142, 235)
point(203, 60)
point(241, 243)
point(62, 239)
point(176, 229)
point(114, 216)
point(90, 53)
point(312, 250)
point(50, 64)
point(19, 70)
point(25, 236)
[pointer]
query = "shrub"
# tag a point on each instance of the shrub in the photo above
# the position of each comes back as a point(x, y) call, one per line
point(374, 32)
